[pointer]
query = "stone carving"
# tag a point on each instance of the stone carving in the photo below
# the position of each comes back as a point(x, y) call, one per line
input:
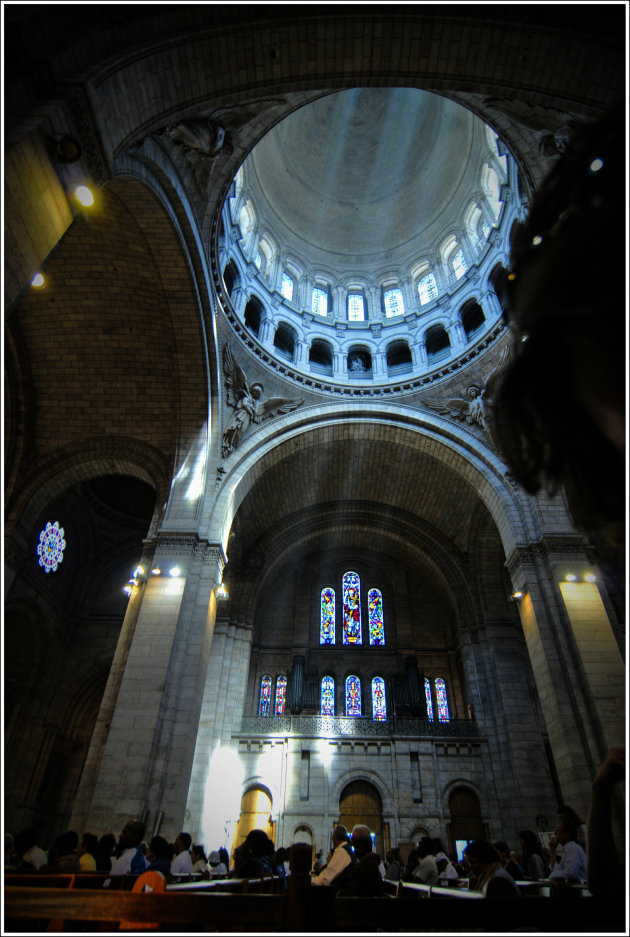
point(477, 406)
point(249, 407)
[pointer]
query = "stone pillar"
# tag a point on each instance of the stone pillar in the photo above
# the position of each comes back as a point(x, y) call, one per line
point(567, 629)
point(147, 757)
point(214, 796)
point(420, 358)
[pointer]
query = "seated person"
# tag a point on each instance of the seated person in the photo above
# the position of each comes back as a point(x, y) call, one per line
point(571, 867)
point(490, 877)
point(340, 858)
point(361, 878)
point(426, 871)
point(447, 872)
point(131, 860)
point(182, 862)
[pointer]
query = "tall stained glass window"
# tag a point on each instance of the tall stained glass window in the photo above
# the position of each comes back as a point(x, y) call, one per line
point(319, 303)
point(264, 704)
point(281, 695)
point(427, 289)
point(375, 615)
point(351, 609)
point(353, 696)
point(287, 287)
point(394, 303)
point(328, 697)
point(459, 264)
point(442, 702)
point(356, 307)
point(327, 617)
point(427, 693)
point(379, 705)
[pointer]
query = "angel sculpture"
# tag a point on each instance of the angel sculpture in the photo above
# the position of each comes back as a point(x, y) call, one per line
point(478, 407)
point(248, 406)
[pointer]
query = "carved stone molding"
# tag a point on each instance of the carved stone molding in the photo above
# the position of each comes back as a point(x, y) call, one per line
point(534, 553)
point(192, 548)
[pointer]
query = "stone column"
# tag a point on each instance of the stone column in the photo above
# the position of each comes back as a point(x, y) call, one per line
point(147, 756)
point(566, 629)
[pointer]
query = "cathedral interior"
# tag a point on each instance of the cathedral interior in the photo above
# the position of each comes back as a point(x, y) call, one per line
point(271, 567)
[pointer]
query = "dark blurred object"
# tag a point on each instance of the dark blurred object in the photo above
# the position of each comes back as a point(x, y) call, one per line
point(560, 409)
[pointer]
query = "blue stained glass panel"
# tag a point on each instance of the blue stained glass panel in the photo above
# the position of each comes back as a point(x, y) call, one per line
point(264, 704)
point(427, 288)
point(442, 702)
point(327, 617)
point(328, 697)
point(353, 696)
point(459, 264)
point(427, 693)
point(287, 287)
point(375, 617)
point(379, 705)
point(281, 695)
point(319, 304)
point(351, 609)
point(394, 303)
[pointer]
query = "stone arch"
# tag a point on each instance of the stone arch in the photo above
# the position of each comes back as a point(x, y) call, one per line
point(363, 774)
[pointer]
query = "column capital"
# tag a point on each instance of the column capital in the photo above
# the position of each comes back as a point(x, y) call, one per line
point(188, 550)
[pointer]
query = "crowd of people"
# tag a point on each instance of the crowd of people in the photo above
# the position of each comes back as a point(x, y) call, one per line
point(577, 853)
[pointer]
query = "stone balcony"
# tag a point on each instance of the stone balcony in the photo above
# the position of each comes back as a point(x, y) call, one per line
point(332, 727)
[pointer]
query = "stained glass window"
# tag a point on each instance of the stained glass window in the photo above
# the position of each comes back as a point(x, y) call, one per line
point(394, 304)
point(442, 702)
point(287, 287)
point(51, 546)
point(427, 693)
point(375, 614)
point(258, 260)
point(281, 695)
point(328, 697)
point(264, 704)
point(327, 617)
point(356, 307)
point(353, 696)
point(351, 609)
point(459, 264)
point(427, 289)
point(319, 304)
point(379, 705)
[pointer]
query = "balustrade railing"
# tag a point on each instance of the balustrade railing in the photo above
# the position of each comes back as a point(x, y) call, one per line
point(357, 726)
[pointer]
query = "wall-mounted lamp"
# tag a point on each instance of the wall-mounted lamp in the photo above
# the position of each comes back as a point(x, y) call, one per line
point(570, 577)
point(66, 149)
point(590, 577)
point(174, 571)
point(127, 589)
point(221, 592)
point(516, 596)
point(39, 280)
point(156, 571)
point(84, 196)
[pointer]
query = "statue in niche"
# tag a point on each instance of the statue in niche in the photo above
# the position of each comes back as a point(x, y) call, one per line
point(476, 407)
point(249, 407)
point(357, 363)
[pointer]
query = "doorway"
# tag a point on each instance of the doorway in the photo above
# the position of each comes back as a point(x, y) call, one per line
point(255, 815)
point(466, 823)
point(360, 802)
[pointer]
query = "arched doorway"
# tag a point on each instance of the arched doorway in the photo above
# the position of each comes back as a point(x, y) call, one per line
point(466, 824)
point(360, 802)
point(255, 815)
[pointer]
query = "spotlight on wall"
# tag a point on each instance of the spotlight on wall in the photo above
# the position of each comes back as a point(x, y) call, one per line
point(590, 577)
point(138, 571)
point(570, 577)
point(156, 571)
point(127, 589)
point(175, 571)
point(39, 280)
point(84, 195)
point(221, 592)
point(516, 597)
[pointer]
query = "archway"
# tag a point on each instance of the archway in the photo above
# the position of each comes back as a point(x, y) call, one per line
point(255, 815)
point(466, 823)
point(360, 802)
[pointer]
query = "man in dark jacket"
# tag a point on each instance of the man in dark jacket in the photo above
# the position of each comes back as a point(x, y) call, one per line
point(363, 878)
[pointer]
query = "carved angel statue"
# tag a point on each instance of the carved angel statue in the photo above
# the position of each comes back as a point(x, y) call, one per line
point(477, 408)
point(248, 405)
point(206, 137)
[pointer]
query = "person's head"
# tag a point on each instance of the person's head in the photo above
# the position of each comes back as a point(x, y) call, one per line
point(559, 410)
point(361, 840)
point(340, 835)
point(530, 843)
point(68, 843)
point(182, 842)
point(132, 834)
point(214, 858)
point(441, 860)
point(258, 843)
point(425, 847)
point(158, 848)
point(224, 857)
point(89, 844)
point(566, 832)
point(503, 849)
point(480, 854)
point(106, 844)
point(197, 852)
